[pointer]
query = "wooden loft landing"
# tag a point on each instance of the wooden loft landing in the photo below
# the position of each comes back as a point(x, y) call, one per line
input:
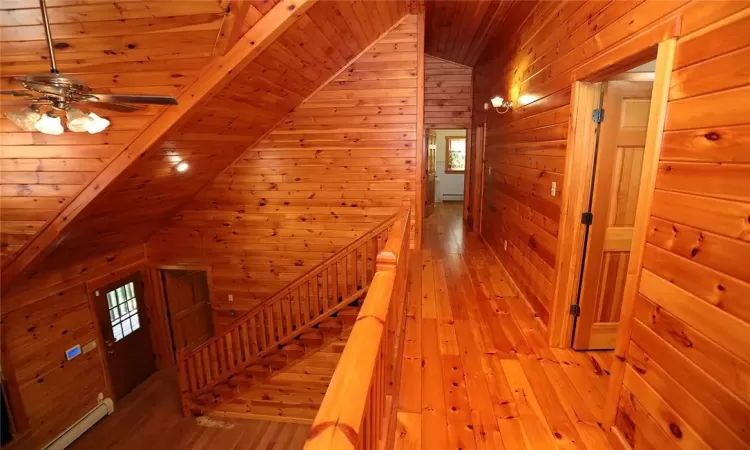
point(477, 373)
point(151, 417)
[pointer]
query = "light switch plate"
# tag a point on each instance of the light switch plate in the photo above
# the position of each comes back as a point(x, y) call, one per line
point(553, 189)
point(231, 298)
point(505, 245)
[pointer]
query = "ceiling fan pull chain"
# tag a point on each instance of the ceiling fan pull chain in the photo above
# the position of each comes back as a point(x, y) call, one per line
point(45, 19)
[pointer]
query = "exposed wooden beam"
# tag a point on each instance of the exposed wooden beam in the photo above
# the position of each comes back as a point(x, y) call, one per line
point(217, 74)
point(231, 27)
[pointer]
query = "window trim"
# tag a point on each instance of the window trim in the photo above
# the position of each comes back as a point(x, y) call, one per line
point(448, 140)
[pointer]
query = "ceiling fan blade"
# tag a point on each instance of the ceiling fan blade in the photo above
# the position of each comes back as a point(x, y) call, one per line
point(142, 99)
point(120, 107)
point(15, 93)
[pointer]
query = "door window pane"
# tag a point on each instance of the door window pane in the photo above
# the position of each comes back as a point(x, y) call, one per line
point(123, 310)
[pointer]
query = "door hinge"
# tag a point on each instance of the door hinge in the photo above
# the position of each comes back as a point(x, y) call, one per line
point(575, 310)
point(587, 218)
point(598, 115)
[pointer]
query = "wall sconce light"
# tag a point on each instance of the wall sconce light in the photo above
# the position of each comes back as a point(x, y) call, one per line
point(498, 103)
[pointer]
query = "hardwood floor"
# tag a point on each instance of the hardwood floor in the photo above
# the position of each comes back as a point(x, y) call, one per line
point(476, 372)
point(150, 417)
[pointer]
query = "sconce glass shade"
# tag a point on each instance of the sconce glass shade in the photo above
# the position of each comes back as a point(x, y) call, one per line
point(497, 102)
point(98, 124)
point(24, 119)
point(78, 121)
point(49, 124)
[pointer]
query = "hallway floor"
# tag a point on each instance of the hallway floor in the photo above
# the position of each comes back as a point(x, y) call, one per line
point(477, 373)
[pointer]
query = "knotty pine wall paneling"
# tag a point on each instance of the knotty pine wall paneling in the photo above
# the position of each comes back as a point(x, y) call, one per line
point(684, 383)
point(447, 94)
point(338, 165)
point(44, 314)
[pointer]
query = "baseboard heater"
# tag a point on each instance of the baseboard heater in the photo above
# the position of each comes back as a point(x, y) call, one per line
point(73, 432)
point(453, 197)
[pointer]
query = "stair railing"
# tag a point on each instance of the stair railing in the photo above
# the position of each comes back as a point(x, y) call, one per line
point(321, 292)
point(358, 410)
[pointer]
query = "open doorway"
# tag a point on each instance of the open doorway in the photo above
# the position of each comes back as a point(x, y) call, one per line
point(446, 167)
point(621, 117)
point(188, 307)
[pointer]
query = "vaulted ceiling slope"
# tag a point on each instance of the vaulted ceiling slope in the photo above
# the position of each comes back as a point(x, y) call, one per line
point(150, 47)
point(340, 164)
point(459, 30)
point(217, 131)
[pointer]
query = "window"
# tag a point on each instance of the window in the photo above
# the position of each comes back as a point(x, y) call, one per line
point(123, 310)
point(455, 154)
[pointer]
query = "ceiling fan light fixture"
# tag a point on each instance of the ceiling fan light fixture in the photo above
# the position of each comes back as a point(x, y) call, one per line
point(97, 124)
point(25, 119)
point(182, 167)
point(78, 121)
point(49, 123)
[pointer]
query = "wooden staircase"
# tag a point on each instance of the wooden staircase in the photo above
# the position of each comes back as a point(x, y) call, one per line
point(313, 312)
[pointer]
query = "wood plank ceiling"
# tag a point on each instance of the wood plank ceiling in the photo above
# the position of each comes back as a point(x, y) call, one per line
point(459, 30)
point(150, 47)
point(135, 205)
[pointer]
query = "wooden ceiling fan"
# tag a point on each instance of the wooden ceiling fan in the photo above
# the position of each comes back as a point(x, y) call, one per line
point(54, 91)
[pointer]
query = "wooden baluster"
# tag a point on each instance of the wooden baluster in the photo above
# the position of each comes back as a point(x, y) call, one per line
point(206, 356)
point(214, 360)
point(279, 320)
point(237, 346)
point(182, 372)
point(269, 325)
point(305, 295)
point(363, 271)
point(244, 335)
point(335, 291)
point(262, 331)
point(201, 375)
point(193, 374)
point(325, 291)
point(286, 304)
point(254, 335)
point(297, 306)
point(223, 364)
point(316, 301)
point(230, 351)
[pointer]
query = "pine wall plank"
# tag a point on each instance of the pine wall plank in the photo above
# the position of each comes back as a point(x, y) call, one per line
point(687, 374)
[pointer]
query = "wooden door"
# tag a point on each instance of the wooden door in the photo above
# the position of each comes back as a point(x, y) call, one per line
point(121, 311)
point(617, 176)
point(431, 168)
point(189, 307)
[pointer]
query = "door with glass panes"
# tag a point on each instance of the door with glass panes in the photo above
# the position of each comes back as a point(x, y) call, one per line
point(122, 314)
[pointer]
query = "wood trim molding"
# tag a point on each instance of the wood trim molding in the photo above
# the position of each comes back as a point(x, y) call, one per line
point(656, 120)
point(215, 76)
point(421, 176)
point(579, 165)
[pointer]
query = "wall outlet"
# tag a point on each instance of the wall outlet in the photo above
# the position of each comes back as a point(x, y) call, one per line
point(505, 245)
point(553, 189)
point(231, 298)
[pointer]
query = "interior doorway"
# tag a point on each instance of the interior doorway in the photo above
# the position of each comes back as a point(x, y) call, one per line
point(446, 166)
point(121, 312)
point(621, 117)
point(188, 302)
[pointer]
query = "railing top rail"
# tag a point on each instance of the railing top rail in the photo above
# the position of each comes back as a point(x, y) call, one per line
point(339, 419)
point(335, 257)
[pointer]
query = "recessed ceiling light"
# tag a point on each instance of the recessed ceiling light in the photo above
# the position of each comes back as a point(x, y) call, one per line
point(182, 166)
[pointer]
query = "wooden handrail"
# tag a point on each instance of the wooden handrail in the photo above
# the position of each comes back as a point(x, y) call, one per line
point(318, 294)
point(358, 410)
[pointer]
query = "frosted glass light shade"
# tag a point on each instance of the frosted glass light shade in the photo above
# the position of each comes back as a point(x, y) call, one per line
point(97, 124)
point(78, 121)
point(49, 124)
point(497, 102)
point(24, 119)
